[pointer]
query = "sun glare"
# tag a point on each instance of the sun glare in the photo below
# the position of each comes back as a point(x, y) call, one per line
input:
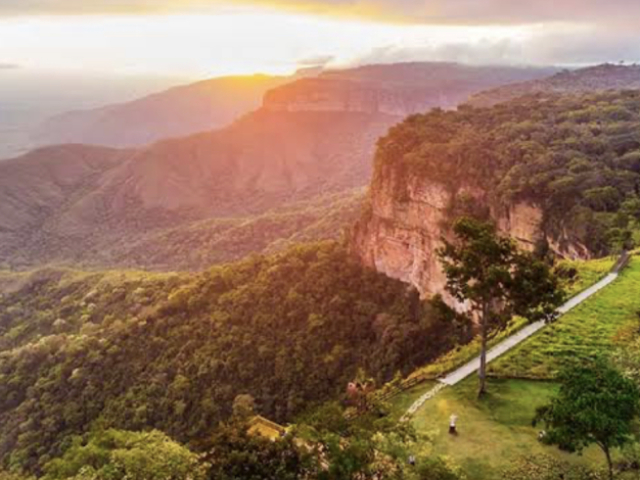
point(244, 41)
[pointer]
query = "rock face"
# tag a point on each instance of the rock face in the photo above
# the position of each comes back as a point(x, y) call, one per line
point(327, 95)
point(400, 236)
point(398, 90)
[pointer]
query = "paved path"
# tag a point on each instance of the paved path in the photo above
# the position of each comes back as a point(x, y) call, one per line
point(421, 401)
point(500, 349)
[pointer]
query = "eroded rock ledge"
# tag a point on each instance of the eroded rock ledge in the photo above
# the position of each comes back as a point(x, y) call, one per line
point(400, 234)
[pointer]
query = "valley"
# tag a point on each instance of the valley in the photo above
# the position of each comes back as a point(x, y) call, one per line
point(287, 266)
point(134, 210)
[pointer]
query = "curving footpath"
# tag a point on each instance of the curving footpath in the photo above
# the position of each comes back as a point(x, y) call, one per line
point(503, 347)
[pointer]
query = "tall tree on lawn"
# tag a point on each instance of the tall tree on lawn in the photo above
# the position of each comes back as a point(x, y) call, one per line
point(497, 281)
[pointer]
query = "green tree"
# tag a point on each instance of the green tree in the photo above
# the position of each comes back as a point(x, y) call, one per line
point(497, 281)
point(234, 454)
point(370, 447)
point(596, 404)
point(11, 476)
point(244, 407)
point(116, 454)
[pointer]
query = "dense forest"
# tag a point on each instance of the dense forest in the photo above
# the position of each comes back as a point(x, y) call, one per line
point(578, 157)
point(80, 352)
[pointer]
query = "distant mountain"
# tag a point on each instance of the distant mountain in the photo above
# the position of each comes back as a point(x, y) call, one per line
point(29, 95)
point(598, 78)
point(141, 206)
point(91, 205)
point(175, 112)
point(400, 89)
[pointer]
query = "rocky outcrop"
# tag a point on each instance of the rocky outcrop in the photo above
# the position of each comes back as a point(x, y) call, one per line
point(400, 234)
point(328, 95)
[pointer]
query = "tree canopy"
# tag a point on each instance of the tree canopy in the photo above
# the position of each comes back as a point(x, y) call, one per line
point(114, 455)
point(487, 272)
point(577, 157)
point(173, 352)
point(596, 404)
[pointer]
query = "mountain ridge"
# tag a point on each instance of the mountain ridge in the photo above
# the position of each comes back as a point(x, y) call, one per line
point(260, 162)
point(216, 103)
point(596, 78)
point(178, 111)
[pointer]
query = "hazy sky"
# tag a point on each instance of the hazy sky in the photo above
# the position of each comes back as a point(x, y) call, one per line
point(198, 38)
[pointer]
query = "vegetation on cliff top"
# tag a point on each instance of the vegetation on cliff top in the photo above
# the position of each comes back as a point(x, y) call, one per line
point(576, 157)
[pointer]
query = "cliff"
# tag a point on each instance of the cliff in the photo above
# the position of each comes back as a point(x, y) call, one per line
point(400, 236)
point(329, 95)
point(528, 165)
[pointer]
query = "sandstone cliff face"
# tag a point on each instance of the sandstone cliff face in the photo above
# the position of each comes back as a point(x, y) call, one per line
point(328, 95)
point(400, 236)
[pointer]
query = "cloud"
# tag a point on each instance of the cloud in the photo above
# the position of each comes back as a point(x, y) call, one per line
point(555, 31)
point(477, 12)
point(468, 12)
point(8, 66)
point(555, 44)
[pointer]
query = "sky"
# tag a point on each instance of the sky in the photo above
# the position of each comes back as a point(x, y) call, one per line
point(204, 38)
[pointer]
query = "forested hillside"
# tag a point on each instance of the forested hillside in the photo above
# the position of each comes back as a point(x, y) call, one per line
point(105, 208)
point(137, 351)
point(577, 158)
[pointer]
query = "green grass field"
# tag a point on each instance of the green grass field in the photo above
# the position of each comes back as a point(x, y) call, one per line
point(493, 431)
point(588, 273)
point(604, 321)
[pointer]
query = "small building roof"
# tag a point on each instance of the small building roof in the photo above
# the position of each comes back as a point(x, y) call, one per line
point(265, 428)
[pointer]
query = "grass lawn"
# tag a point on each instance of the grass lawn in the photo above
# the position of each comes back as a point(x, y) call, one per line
point(595, 327)
point(493, 431)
